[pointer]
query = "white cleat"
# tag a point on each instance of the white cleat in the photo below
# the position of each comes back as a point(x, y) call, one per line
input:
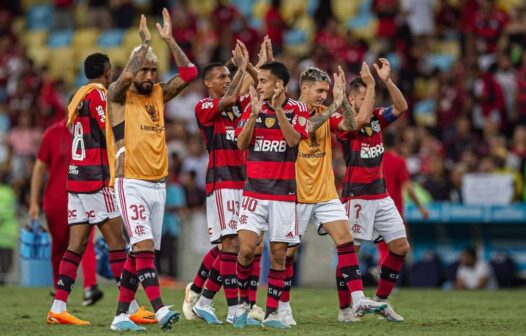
point(346, 316)
point(256, 313)
point(273, 321)
point(367, 306)
point(190, 299)
point(286, 316)
point(389, 313)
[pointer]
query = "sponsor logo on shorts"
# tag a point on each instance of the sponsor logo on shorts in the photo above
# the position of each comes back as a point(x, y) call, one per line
point(139, 230)
point(232, 224)
point(290, 234)
point(90, 214)
point(72, 213)
point(243, 219)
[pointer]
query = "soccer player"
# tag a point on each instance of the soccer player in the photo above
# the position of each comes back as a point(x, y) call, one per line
point(318, 201)
point(54, 156)
point(90, 200)
point(135, 110)
point(217, 117)
point(372, 213)
point(270, 128)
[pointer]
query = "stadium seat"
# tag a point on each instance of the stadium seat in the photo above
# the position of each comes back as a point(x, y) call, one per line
point(83, 38)
point(118, 56)
point(40, 17)
point(62, 64)
point(39, 54)
point(111, 38)
point(60, 39)
point(35, 38)
point(244, 6)
point(345, 9)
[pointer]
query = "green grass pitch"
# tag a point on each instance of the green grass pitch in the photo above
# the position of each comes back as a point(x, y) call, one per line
point(427, 312)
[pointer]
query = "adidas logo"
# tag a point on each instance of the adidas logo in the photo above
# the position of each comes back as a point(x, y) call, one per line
point(290, 234)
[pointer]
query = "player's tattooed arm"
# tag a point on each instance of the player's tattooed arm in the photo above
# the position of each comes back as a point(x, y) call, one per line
point(348, 115)
point(240, 60)
point(245, 136)
point(117, 90)
point(317, 120)
point(187, 71)
point(384, 72)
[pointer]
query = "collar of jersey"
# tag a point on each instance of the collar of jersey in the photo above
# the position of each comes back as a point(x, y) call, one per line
point(282, 105)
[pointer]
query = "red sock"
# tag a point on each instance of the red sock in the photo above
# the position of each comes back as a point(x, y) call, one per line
point(128, 285)
point(243, 281)
point(228, 273)
point(276, 280)
point(383, 251)
point(148, 277)
point(117, 261)
point(67, 274)
point(254, 279)
point(204, 269)
point(214, 282)
point(89, 263)
point(348, 265)
point(389, 274)
point(289, 273)
point(344, 297)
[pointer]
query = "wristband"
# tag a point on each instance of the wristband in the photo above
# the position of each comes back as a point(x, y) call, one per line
point(187, 74)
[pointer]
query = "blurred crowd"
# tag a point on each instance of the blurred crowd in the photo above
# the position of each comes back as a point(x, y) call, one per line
point(459, 63)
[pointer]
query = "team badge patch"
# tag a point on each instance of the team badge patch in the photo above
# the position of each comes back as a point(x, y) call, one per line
point(269, 122)
point(302, 121)
point(368, 130)
point(152, 112)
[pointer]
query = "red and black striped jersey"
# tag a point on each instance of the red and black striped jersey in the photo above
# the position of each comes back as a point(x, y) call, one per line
point(88, 168)
point(271, 162)
point(226, 163)
point(363, 151)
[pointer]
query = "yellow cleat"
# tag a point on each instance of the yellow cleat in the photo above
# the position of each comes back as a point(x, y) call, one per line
point(64, 318)
point(142, 316)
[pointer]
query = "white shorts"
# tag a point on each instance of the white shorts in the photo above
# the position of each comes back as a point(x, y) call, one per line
point(142, 207)
point(93, 208)
point(375, 220)
point(320, 213)
point(276, 217)
point(222, 213)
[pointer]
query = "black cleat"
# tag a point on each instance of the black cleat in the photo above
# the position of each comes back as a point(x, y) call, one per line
point(92, 295)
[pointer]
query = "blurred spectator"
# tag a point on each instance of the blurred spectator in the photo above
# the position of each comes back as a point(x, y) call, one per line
point(437, 182)
point(99, 14)
point(275, 25)
point(419, 15)
point(474, 273)
point(196, 161)
point(386, 11)
point(8, 226)
point(63, 14)
point(455, 178)
point(195, 195)
point(122, 13)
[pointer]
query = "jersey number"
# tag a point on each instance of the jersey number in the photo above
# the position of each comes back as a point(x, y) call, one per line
point(138, 212)
point(78, 150)
point(249, 204)
point(358, 208)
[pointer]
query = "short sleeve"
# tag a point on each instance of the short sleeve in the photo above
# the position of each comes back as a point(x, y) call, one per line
point(97, 107)
point(45, 149)
point(300, 122)
point(334, 122)
point(207, 110)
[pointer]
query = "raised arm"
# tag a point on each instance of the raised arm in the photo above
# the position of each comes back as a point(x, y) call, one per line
point(240, 61)
point(187, 71)
point(244, 138)
point(265, 55)
point(349, 122)
point(384, 72)
point(317, 120)
point(117, 90)
point(289, 133)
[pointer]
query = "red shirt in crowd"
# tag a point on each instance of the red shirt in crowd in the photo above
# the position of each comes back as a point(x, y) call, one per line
point(395, 175)
point(55, 152)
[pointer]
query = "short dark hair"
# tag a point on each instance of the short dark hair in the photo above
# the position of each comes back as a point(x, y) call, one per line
point(357, 83)
point(279, 70)
point(95, 65)
point(207, 69)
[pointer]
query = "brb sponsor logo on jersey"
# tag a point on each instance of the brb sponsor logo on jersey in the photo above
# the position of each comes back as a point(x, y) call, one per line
point(370, 152)
point(263, 145)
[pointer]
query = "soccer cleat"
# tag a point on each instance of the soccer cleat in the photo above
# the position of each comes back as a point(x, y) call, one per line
point(346, 315)
point(125, 325)
point(256, 313)
point(285, 315)
point(273, 321)
point(250, 321)
point(92, 295)
point(169, 317)
point(241, 317)
point(64, 318)
point(190, 299)
point(143, 316)
point(389, 313)
point(367, 306)
point(207, 313)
